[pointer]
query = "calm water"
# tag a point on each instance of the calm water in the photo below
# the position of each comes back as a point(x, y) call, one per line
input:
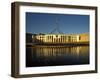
point(56, 55)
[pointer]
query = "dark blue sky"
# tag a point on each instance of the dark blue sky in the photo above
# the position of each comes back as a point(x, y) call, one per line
point(45, 23)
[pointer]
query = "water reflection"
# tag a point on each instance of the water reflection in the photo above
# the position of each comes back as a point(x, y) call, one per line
point(56, 55)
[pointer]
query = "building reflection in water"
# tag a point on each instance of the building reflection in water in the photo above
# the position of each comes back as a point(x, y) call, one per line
point(56, 55)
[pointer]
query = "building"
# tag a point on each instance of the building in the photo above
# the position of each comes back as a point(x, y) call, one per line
point(57, 37)
point(60, 38)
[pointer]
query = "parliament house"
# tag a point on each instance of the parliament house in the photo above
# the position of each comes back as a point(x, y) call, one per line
point(57, 38)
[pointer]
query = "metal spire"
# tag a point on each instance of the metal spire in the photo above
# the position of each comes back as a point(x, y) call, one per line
point(56, 30)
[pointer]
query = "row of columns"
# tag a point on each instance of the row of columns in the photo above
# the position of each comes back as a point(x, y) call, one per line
point(63, 39)
point(57, 39)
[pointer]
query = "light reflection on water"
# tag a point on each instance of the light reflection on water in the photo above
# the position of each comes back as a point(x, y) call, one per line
point(56, 55)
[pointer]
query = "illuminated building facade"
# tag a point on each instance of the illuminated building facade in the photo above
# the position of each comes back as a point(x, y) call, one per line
point(60, 38)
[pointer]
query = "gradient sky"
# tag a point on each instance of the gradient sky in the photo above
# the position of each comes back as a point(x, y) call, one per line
point(45, 23)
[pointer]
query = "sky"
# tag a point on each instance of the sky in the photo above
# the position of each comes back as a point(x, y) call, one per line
point(47, 22)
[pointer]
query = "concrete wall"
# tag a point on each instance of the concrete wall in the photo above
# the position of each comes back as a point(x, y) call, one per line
point(84, 37)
